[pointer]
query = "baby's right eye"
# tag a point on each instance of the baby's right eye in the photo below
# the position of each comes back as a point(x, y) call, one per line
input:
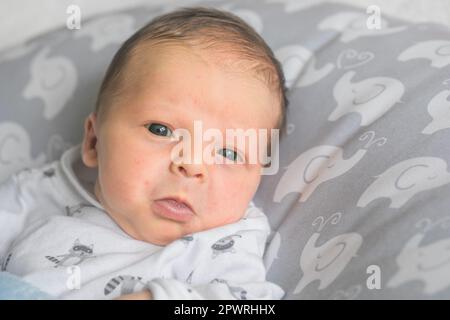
point(160, 130)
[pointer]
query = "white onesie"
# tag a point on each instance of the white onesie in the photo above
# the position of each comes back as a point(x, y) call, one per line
point(55, 235)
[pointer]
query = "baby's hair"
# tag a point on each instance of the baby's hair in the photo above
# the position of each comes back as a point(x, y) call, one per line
point(206, 28)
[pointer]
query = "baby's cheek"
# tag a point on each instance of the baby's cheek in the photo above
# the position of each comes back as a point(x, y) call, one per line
point(121, 192)
point(237, 195)
point(124, 184)
point(137, 162)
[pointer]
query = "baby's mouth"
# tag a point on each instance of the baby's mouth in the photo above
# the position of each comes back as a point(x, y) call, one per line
point(173, 209)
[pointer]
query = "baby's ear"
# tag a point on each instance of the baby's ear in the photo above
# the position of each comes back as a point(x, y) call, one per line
point(89, 145)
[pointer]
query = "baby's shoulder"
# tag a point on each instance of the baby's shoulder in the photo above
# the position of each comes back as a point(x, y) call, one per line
point(39, 176)
point(40, 184)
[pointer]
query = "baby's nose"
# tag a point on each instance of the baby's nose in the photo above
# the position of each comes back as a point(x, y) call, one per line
point(191, 170)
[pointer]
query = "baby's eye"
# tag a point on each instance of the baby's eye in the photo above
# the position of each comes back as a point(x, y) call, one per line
point(160, 130)
point(230, 154)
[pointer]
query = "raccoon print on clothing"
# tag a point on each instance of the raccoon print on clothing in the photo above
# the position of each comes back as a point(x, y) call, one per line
point(126, 283)
point(77, 254)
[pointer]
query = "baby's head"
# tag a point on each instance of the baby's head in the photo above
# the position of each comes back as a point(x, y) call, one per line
point(191, 65)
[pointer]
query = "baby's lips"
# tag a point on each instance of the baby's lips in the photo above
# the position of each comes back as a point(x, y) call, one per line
point(173, 209)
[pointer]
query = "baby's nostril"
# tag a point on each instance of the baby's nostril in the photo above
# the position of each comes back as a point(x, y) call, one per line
point(198, 175)
point(182, 170)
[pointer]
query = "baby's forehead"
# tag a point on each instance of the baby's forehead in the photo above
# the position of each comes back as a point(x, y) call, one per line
point(230, 58)
point(182, 75)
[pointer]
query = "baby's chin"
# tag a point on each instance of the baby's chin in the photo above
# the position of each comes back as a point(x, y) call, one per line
point(160, 233)
point(161, 240)
point(149, 237)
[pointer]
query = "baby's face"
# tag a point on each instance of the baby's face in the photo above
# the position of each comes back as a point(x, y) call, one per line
point(171, 88)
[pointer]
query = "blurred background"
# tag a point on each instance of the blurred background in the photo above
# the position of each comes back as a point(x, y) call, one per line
point(23, 19)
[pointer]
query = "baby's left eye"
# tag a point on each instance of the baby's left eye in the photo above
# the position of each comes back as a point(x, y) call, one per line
point(230, 154)
point(160, 130)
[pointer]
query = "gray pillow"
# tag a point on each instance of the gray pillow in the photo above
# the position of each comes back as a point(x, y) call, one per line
point(360, 205)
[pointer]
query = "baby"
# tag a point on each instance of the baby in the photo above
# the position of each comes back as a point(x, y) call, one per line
point(120, 216)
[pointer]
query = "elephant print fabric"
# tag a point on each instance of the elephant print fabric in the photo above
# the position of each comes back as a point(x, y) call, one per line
point(364, 167)
point(53, 80)
point(364, 157)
